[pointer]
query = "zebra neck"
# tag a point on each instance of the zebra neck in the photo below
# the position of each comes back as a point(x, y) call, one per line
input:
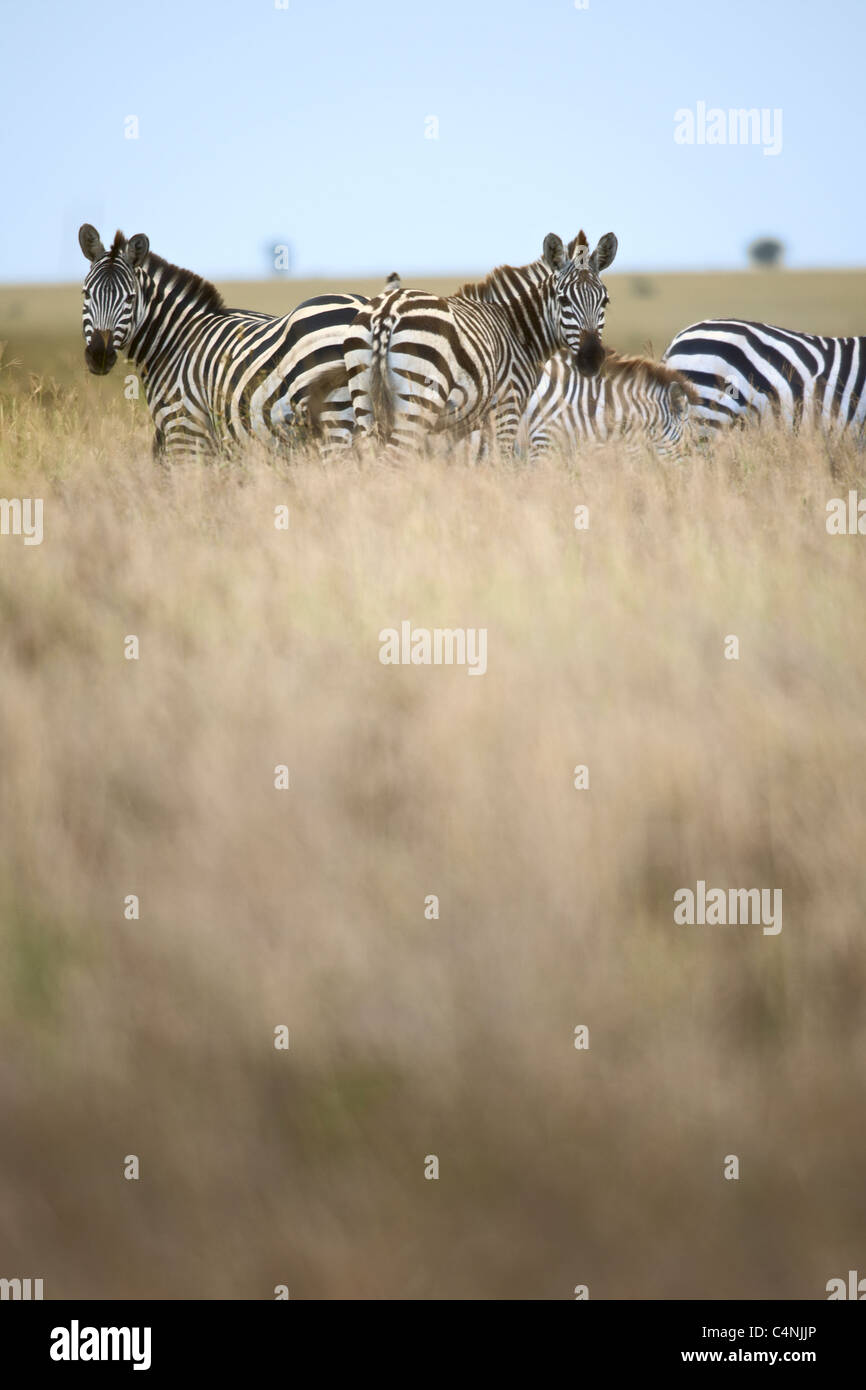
point(524, 295)
point(174, 302)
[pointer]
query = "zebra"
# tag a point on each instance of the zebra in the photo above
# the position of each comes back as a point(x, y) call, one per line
point(417, 364)
point(633, 398)
point(746, 371)
point(211, 375)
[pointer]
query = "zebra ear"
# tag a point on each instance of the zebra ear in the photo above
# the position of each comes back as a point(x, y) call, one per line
point(604, 253)
point(679, 400)
point(90, 242)
point(553, 251)
point(136, 249)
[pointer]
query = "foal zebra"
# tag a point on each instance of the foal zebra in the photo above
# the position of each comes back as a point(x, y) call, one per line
point(632, 398)
point(211, 374)
point(417, 364)
point(753, 371)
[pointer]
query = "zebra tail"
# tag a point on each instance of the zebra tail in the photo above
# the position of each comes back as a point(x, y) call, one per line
point(381, 400)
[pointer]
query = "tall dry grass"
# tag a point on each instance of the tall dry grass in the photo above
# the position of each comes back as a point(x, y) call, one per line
point(412, 1037)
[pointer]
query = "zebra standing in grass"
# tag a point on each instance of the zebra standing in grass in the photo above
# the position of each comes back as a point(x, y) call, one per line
point(417, 364)
point(753, 371)
point(632, 398)
point(211, 375)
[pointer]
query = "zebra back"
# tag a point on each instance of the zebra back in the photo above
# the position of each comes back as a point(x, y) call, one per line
point(755, 372)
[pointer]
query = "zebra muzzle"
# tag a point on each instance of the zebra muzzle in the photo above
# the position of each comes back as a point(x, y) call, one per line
point(99, 354)
point(590, 354)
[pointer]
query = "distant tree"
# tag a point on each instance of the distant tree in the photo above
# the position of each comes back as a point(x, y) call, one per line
point(766, 252)
point(642, 286)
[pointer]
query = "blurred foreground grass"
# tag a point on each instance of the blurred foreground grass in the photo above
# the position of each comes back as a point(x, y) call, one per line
point(412, 1037)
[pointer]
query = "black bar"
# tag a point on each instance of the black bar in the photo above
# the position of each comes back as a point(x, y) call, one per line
point(225, 1338)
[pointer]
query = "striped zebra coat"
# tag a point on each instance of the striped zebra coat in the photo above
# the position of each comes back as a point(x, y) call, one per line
point(212, 376)
point(417, 364)
point(755, 372)
point(632, 398)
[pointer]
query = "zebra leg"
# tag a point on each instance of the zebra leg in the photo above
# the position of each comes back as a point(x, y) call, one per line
point(337, 440)
point(415, 419)
point(184, 439)
point(325, 412)
point(479, 445)
point(507, 422)
point(357, 355)
point(540, 443)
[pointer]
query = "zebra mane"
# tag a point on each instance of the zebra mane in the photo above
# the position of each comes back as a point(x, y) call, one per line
point(493, 289)
point(118, 245)
point(647, 371)
point(205, 293)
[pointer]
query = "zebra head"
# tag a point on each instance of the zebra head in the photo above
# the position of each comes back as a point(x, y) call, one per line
point(112, 295)
point(668, 426)
point(580, 296)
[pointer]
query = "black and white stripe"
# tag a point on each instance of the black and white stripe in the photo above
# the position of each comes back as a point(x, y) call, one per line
point(756, 372)
point(211, 375)
point(632, 398)
point(418, 364)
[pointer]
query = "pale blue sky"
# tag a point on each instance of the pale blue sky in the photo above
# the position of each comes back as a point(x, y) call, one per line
point(307, 124)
